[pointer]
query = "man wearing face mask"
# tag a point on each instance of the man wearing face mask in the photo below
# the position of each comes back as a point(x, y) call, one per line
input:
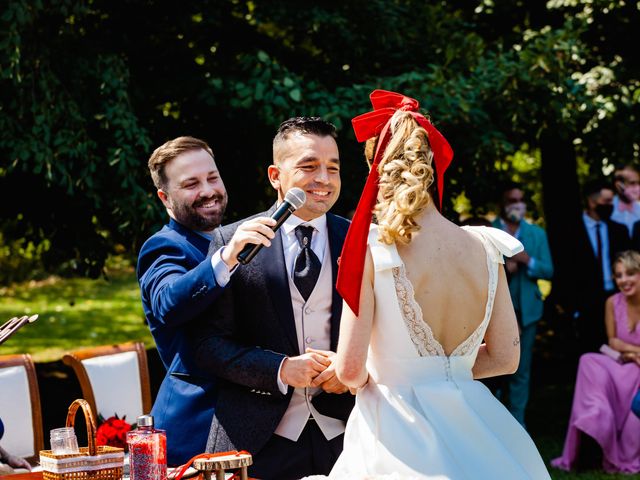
point(523, 270)
point(598, 243)
point(626, 208)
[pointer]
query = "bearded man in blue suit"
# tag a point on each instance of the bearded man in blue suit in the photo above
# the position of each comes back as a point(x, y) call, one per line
point(524, 270)
point(178, 281)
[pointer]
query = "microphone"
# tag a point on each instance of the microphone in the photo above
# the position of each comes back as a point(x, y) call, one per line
point(293, 200)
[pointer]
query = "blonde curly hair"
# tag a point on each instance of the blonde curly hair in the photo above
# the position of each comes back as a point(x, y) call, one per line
point(406, 174)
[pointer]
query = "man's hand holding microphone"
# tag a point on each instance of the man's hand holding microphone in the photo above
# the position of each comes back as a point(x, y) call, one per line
point(258, 232)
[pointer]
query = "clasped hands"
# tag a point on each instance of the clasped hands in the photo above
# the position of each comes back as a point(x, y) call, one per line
point(314, 368)
point(512, 264)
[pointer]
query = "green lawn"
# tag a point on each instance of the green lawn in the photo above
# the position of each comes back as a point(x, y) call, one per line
point(80, 312)
point(74, 313)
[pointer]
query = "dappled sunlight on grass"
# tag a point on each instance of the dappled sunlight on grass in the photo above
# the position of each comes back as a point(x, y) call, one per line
point(74, 313)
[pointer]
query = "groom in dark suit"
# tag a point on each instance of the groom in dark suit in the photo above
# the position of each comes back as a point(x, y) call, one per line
point(271, 335)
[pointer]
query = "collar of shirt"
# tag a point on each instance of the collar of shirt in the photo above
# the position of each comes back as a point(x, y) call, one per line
point(591, 223)
point(505, 228)
point(291, 245)
point(633, 208)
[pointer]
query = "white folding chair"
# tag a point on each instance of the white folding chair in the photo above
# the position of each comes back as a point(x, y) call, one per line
point(20, 407)
point(114, 379)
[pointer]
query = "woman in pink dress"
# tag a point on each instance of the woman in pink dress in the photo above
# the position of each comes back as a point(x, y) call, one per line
point(605, 387)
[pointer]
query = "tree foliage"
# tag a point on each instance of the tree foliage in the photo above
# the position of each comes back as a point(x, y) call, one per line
point(89, 88)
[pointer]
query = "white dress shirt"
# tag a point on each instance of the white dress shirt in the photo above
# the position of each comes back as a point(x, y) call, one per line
point(625, 217)
point(291, 247)
point(290, 242)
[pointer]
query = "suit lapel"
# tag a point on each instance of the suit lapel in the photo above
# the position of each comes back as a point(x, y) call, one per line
point(525, 233)
point(613, 239)
point(275, 272)
point(197, 240)
point(336, 240)
point(618, 238)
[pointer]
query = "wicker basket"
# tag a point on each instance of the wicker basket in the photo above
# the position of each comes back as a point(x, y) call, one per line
point(93, 462)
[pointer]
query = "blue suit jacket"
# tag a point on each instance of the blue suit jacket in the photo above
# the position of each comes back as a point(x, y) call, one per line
point(177, 284)
point(523, 285)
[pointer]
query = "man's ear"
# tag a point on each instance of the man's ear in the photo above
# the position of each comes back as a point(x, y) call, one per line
point(273, 172)
point(162, 195)
point(619, 186)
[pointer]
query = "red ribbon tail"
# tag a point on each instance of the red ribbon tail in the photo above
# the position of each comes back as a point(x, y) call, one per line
point(365, 126)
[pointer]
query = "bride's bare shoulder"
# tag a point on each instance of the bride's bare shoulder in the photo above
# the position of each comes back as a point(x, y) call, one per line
point(443, 242)
point(463, 237)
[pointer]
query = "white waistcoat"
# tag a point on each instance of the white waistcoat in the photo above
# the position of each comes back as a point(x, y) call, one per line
point(313, 329)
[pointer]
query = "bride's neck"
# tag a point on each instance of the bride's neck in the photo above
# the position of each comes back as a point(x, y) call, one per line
point(428, 215)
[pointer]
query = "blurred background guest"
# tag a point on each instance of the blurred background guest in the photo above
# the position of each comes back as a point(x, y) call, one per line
point(626, 208)
point(606, 384)
point(523, 270)
point(597, 244)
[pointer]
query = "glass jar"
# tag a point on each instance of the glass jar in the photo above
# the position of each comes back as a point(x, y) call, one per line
point(64, 441)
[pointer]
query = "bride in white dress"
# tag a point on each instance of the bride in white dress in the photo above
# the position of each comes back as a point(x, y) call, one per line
point(433, 315)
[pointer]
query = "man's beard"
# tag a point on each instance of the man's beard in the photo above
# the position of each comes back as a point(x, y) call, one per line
point(188, 216)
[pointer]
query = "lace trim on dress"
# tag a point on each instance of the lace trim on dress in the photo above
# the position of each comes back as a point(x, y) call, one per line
point(419, 331)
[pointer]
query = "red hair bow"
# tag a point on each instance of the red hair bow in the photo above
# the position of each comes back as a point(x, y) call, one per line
point(366, 126)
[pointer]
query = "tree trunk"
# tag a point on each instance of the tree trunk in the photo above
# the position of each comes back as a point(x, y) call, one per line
point(562, 208)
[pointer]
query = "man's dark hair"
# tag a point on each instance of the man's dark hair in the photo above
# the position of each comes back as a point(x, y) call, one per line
point(308, 126)
point(505, 187)
point(303, 126)
point(511, 185)
point(594, 187)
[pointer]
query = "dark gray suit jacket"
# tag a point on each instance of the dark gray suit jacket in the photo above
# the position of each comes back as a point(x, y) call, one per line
point(246, 335)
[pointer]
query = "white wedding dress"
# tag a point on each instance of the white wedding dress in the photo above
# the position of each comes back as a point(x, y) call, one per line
point(422, 415)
